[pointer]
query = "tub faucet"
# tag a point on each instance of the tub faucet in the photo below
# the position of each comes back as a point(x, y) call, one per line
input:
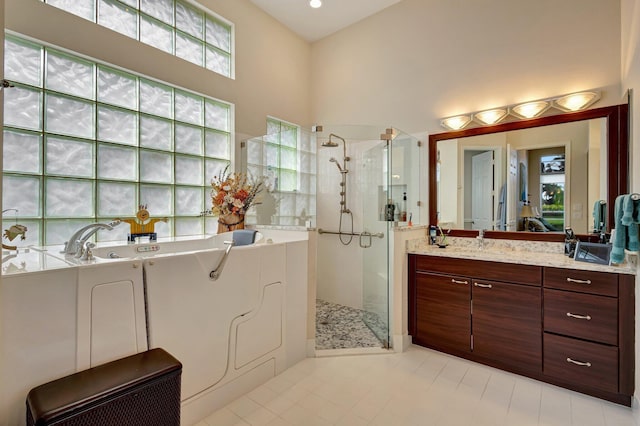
point(76, 243)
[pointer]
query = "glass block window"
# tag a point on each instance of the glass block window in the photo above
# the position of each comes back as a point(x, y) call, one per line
point(177, 27)
point(85, 142)
point(286, 157)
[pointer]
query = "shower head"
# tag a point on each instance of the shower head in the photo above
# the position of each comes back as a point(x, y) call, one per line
point(332, 144)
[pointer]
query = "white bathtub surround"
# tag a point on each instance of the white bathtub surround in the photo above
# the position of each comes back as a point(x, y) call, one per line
point(231, 334)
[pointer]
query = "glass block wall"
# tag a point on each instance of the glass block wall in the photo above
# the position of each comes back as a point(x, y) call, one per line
point(286, 157)
point(174, 26)
point(85, 142)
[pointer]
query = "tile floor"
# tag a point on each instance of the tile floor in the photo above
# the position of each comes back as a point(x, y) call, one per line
point(417, 387)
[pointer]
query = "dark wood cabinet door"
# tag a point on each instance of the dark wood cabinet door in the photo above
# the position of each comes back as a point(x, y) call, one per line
point(507, 324)
point(443, 319)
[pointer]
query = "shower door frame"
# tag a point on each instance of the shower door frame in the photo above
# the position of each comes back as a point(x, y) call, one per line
point(376, 298)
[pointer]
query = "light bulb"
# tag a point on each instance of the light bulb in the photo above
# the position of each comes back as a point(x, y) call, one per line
point(315, 3)
point(491, 116)
point(530, 109)
point(456, 123)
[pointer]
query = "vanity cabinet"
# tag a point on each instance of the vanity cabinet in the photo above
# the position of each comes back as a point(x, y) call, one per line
point(588, 330)
point(443, 312)
point(478, 310)
point(571, 328)
point(506, 324)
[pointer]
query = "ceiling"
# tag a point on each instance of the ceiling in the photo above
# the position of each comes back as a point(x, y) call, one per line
point(314, 24)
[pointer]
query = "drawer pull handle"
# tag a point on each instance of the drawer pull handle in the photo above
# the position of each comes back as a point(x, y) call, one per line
point(573, 280)
point(459, 282)
point(584, 317)
point(482, 285)
point(580, 363)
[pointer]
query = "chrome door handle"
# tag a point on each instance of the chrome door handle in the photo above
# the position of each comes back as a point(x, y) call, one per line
point(580, 363)
point(584, 317)
point(482, 285)
point(573, 280)
point(459, 282)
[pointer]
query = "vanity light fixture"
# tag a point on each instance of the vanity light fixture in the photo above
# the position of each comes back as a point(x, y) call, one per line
point(576, 101)
point(315, 3)
point(530, 109)
point(456, 123)
point(491, 116)
point(566, 103)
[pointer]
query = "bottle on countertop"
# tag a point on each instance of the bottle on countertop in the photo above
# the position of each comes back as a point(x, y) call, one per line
point(403, 208)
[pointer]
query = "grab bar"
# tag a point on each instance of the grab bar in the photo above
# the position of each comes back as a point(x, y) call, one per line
point(215, 274)
point(367, 234)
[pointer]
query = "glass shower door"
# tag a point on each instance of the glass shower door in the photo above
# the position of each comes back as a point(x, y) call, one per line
point(374, 187)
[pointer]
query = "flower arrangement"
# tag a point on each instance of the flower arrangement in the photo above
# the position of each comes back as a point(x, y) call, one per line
point(233, 193)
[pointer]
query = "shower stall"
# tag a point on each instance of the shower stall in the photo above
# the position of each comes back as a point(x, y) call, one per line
point(374, 188)
point(353, 184)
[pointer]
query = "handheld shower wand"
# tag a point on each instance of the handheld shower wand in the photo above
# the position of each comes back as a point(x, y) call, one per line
point(333, 160)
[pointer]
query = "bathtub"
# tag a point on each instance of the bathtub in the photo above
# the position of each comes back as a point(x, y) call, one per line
point(231, 334)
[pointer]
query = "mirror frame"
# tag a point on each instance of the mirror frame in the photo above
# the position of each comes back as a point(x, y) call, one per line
point(617, 164)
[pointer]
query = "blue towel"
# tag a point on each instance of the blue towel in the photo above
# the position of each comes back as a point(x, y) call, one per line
point(620, 238)
point(597, 216)
point(244, 237)
point(627, 218)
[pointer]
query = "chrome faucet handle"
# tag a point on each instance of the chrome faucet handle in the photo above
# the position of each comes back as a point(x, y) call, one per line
point(79, 249)
point(88, 253)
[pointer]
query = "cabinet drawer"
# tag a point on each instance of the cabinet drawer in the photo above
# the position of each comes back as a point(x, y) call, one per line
point(581, 315)
point(509, 272)
point(576, 361)
point(591, 282)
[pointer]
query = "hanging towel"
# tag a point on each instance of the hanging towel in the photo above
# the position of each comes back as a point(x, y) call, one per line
point(620, 237)
point(631, 219)
point(596, 216)
point(627, 219)
point(599, 215)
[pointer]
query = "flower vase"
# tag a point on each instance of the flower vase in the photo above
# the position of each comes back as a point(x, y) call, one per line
point(230, 222)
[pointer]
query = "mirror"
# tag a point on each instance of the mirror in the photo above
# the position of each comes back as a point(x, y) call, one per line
point(530, 179)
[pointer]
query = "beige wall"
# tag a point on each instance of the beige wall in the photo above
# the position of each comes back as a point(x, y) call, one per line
point(272, 64)
point(418, 61)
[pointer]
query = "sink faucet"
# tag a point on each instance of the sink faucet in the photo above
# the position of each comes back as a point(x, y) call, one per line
point(76, 243)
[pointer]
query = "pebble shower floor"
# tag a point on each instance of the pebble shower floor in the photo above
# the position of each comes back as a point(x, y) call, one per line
point(342, 327)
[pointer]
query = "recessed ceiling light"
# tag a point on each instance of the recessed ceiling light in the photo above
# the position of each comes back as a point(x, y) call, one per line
point(315, 3)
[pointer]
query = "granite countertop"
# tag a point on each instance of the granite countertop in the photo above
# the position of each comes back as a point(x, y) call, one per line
point(512, 251)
